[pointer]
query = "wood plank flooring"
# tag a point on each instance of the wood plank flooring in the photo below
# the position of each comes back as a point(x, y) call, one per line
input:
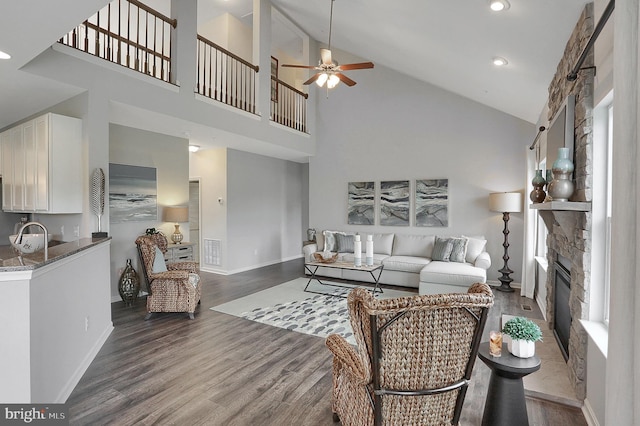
point(222, 370)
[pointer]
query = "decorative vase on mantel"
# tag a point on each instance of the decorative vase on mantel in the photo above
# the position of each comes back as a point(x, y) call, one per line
point(129, 284)
point(561, 187)
point(538, 195)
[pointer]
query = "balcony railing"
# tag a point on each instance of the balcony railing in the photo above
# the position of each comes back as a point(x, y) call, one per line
point(288, 105)
point(225, 77)
point(128, 33)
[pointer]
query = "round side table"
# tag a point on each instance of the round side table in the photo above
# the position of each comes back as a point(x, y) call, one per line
point(505, 404)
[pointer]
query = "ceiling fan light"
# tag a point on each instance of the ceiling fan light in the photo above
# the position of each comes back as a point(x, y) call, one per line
point(499, 61)
point(322, 79)
point(499, 5)
point(333, 81)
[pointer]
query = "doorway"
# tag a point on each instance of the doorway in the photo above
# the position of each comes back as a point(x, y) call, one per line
point(194, 217)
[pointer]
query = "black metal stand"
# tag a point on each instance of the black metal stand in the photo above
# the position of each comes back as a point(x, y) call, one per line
point(505, 279)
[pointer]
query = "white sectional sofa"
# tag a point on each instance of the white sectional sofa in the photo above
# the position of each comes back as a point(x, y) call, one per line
point(431, 264)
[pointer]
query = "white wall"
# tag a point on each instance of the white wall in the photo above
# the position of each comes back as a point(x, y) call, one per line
point(265, 205)
point(392, 127)
point(169, 155)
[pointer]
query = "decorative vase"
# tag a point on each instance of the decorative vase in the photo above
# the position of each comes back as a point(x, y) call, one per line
point(369, 250)
point(538, 195)
point(522, 348)
point(357, 252)
point(129, 284)
point(311, 234)
point(561, 187)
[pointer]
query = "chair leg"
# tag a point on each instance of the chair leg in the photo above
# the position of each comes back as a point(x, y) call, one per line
point(336, 418)
point(191, 316)
point(149, 314)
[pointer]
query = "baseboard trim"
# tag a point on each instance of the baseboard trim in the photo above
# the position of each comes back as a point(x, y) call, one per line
point(249, 268)
point(589, 414)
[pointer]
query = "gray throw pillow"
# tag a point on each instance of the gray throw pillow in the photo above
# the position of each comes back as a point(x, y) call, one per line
point(442, 249)
point(459, 250)
point(344, 243)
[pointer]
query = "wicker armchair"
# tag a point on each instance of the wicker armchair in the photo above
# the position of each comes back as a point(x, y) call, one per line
point(418, 360)
point(177, 289)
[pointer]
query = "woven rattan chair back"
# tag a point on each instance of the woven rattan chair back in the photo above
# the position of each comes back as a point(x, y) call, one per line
point(147, 253)
point(420, 352)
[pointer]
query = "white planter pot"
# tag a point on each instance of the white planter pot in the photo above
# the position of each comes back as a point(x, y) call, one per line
point(522, 348)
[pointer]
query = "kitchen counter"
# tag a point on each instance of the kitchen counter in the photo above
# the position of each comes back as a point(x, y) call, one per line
point(10, 261)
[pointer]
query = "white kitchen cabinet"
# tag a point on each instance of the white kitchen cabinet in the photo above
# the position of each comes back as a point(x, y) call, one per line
point(42, 166)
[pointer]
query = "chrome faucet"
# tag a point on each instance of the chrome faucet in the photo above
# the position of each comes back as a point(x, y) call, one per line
point(18, 239)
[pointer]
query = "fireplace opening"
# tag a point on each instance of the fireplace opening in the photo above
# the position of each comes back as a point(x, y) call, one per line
point(562, 314)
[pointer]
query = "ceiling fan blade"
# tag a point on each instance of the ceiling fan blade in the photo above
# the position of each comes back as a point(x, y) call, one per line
point(309, 67)
point(358, 66)
point(346, 80)
point(312, 79)
point(325, 54)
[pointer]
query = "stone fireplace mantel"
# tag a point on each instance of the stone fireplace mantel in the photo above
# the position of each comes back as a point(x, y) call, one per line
point(563, 213)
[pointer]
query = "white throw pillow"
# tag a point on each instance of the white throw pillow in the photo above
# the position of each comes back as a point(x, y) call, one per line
point(158, 263)
point(475, 246)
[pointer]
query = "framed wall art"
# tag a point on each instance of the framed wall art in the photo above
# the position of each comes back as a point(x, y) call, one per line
point(432, 202)
point(361, 203)
point(394, 203)
point(133, 193)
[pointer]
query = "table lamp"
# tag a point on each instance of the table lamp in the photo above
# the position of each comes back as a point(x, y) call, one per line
point(505, 203)
point(176, 214)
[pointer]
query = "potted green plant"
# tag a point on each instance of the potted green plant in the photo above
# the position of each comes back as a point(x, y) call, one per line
point(523, 334)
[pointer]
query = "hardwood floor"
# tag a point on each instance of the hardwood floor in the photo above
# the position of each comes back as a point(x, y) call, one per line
point(222, 370)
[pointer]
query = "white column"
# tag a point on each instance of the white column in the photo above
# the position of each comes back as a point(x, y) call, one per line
point(623, 359)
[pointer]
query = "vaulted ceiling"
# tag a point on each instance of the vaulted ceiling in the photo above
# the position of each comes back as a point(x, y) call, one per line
point(446, 43)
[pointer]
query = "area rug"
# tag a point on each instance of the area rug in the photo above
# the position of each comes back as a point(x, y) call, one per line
point(288, 306)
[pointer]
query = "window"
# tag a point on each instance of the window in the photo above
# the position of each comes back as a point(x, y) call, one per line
point(607, 266)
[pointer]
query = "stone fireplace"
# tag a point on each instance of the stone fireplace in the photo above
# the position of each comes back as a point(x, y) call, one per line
point(569, 223)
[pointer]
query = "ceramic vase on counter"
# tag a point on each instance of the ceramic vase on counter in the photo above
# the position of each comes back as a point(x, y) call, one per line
point(561, 187)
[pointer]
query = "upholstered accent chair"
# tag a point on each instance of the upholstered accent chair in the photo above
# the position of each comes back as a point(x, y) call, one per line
point(414, 357)
point(172, 287)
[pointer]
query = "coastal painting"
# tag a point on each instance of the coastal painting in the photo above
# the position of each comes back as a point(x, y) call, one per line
point(432, 202)
point(394, 203)
point(133, 193)
point(360, 203)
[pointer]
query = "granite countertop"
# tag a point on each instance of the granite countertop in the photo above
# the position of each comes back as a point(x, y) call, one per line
point(11, 261)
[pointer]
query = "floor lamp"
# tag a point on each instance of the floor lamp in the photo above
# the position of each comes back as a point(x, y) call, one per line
point(505, 203)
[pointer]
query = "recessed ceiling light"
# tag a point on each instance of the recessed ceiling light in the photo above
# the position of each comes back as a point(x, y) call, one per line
point(499, 61)
point(499, 5)
point(4, 55)
point(194, 148)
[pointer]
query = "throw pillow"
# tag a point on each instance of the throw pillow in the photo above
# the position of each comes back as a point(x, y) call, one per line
point(158, 263)
point(345, 243)
point(442, 249)
point(475, 246)
point(459, 250)
point(330, 243)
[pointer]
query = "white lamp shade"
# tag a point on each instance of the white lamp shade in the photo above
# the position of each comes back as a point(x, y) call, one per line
point(505, 202)
point(176, 214)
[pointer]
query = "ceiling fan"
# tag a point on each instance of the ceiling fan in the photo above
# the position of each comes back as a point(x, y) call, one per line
point(329, 71)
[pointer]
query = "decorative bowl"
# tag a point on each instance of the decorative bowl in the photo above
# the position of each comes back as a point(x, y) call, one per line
point(29, 243)
point(320, 258)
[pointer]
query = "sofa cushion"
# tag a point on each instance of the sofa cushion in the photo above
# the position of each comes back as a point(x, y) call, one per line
point(413, 245)
point(350, 257)
point(442, 249)
point(462, 274)
point(382, 243)
point(330, 240)
point(345, 242)
point(475, 246)
point(411, 264)
point(459, 250)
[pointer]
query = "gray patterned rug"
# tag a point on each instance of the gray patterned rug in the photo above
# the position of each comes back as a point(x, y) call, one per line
point(288, 306)
point(318, 315)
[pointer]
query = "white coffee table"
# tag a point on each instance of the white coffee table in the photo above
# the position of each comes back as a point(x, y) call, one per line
point(312, 268)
